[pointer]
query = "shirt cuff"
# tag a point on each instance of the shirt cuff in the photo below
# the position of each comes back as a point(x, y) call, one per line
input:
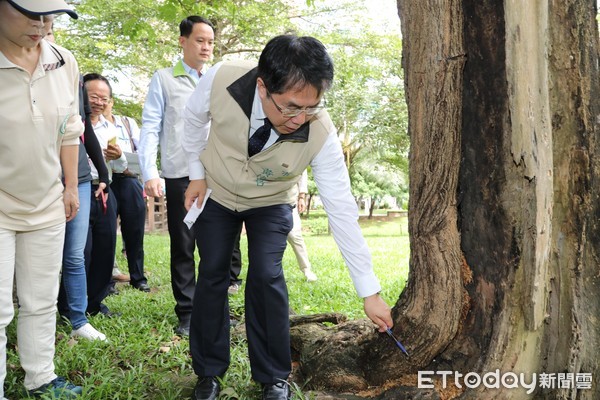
point(196, 170)
point(120, 164)
point(152, 174)
point(366, 285)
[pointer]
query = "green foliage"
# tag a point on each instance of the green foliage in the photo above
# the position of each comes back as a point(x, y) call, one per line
point(120, 35)
point(367, 100)
point(367, 103)
point(373, 179)
point(128, 41)
point(136, 38)
point(129, 108)
point(144, 359)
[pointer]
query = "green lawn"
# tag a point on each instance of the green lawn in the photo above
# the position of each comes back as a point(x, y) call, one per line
point(143, 359)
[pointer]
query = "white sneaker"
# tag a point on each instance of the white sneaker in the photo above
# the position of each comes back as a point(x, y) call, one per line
point(87, 331)
point(310, 276)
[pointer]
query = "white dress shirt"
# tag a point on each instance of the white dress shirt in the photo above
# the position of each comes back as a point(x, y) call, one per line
point(123, 139)
point(153, 118)
point(104, 131)
point(329, 172)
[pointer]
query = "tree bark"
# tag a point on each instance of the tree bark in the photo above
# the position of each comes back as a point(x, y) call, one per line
point(528, 209)
point(371, 207)
point(429, 312)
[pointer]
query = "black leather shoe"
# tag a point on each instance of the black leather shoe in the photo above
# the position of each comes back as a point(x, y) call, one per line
point(112, 291)
point(183, 329)
point(142, 286)
point(277, 391)
point(207, 388)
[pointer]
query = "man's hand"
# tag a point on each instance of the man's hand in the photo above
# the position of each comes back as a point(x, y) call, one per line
point(112, 152)
point(301, 204)
point(71, 202)
point(154, 188)
point(196, 190)
point(378, 311)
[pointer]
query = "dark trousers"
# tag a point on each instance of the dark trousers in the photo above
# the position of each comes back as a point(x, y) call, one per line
point(100, 250)
point(183, 265)
point(236, 262)
point(131, 208)
point(266, 298)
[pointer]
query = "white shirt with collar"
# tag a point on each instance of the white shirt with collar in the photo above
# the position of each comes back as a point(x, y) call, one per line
point(153, 120)
point(123, 139)
point(104, 131)
point(329, 172)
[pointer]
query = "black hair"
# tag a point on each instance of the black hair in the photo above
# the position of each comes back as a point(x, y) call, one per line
point(186, 26)
point(288, 61)
point(97, 77)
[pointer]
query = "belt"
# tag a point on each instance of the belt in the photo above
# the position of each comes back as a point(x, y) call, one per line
point(124, 174)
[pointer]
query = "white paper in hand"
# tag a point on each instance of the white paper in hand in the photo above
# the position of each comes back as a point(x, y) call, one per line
point(192, 215)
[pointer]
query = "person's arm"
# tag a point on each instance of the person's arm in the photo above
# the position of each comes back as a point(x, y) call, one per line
point(71, 129)
point(302, 191)
point(152, 120)
point(331, 178)
point(94, 152)
point(114, 154)
point(195, 135)
point(69, 158)
point(93, 149)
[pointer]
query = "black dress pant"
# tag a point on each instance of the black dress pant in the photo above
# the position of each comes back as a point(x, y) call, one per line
point(236, 262)
point(131, 208)
point(100, 250)
point(183, 265)
point(266, 297)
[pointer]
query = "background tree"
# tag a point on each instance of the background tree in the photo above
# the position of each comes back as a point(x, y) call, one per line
point(129, 40)
point(374, 181)
point(367, 105)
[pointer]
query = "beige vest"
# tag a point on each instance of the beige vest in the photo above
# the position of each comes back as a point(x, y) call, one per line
point(269, 177)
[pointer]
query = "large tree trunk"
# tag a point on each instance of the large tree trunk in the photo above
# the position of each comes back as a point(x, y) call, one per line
point(428, 315)
point(504, 113)
point(528, 208)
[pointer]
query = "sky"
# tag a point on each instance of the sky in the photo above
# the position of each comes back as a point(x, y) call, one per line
point(382, 13)
point(386, 12)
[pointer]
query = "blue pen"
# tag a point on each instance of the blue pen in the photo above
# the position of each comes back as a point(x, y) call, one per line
point(389, 332)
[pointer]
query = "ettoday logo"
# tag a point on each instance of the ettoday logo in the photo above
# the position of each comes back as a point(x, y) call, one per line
point(510, 380)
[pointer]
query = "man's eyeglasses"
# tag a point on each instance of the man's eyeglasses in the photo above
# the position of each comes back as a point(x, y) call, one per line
point(96, 99)
point(294, 112)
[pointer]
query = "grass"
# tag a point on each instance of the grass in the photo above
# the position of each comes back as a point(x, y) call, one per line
point(144, 359)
